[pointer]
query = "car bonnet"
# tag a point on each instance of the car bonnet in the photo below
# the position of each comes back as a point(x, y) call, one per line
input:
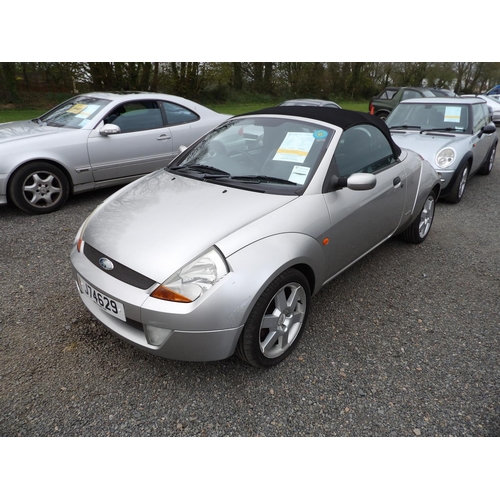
point(427, 145)
point(13, 131)
point(159, 223)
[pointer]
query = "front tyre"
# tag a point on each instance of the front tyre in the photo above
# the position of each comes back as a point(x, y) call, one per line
point(39, 188)
point(486, 169)
point(458, 189)
point(277, 321)
point(419, 229)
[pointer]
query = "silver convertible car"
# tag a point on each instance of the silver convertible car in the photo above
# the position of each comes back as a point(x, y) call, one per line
point(94, 140)
point(221, 251)
point(456, 136)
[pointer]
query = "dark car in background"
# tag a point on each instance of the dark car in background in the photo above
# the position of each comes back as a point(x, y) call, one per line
point(382, 104)
point(494, 91)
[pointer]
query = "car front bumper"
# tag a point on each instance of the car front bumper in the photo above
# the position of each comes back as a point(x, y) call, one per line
point(445, 178)
point(185, 337)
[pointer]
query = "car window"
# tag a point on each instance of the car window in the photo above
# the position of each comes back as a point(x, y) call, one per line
point(363, 148)
point(278, 155)
point(136, 115)
point(480, 117)
point(410, 94)
point(427, 116)
point(388, 94)
point(177, 114)
point(487, 111)
point(75, 113)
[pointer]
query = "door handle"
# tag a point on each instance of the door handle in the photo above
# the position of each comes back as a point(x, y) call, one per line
point(163, 137)
point(397, 182)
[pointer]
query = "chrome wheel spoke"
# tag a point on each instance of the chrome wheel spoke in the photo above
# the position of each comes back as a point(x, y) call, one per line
point(283, 321)
point(42, 188)
point(426, 217)
point(274, 341)
point(280, 301)
point(270, 322)
point(463, 181)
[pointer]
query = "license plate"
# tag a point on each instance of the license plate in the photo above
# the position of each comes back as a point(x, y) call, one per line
point(107, 304)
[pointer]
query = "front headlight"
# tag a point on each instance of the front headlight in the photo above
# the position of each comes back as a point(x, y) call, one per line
point(79, 235)
point(194, 279)
point(445, 157)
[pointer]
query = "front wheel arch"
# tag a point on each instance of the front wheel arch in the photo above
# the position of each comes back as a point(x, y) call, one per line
point(62, 168)
point(459, 182)
point(420, 227)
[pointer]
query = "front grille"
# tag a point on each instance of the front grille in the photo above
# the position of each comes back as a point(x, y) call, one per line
point(120, 272)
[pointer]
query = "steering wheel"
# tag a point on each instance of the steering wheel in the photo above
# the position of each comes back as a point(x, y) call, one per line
point(244, 155)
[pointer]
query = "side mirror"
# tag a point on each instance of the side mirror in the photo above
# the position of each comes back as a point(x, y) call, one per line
point(356, 182)
point(182, 149)
point(110, 129)
point(488, 129)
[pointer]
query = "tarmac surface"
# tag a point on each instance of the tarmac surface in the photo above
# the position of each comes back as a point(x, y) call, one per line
point(404, 343)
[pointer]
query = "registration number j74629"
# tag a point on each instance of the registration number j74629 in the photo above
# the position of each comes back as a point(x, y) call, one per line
point(106, 303)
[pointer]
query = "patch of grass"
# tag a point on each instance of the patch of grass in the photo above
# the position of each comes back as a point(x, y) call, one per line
point(12, 115)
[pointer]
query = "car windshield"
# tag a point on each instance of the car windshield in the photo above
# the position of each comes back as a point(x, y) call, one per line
point(427, 116)
point(74, 113)
point(270, 154)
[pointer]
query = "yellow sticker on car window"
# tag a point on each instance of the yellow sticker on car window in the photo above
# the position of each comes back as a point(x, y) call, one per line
point(295, 147)
point(76, 108)
point(452, 113)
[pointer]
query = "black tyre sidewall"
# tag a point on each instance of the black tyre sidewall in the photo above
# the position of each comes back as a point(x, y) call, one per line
point(412, 233)
point(16, 194)
point(454, 197)
point(248, 345)
point(486, 169)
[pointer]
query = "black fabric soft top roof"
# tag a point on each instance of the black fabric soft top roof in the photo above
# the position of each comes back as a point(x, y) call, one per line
point(342, 118)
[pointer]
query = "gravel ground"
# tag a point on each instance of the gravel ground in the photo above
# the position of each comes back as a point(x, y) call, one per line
point(405, 343)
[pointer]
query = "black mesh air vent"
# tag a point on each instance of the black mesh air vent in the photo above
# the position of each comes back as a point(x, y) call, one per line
point(120, 272)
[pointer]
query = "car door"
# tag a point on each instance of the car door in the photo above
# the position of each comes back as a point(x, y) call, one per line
point(185, 125)
point(143, 144)
point(481, 143)
point(361, 220)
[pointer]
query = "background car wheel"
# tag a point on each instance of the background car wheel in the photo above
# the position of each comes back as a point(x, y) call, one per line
point(458, 189)
point(489, 164)
point(383, 115)
point(420, 227)
point(276, 322)
point(39, 188)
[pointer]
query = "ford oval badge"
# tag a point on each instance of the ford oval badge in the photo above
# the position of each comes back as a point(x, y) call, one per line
point(106, 264)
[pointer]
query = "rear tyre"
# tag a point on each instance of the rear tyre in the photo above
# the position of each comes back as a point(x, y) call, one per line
point(39, 188)
point(276, 322)
point(458, 189)
point(383, 115)
point(486, 169)
point(419, 229)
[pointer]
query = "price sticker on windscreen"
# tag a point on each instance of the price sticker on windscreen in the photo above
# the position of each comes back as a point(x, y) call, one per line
point(295, 147)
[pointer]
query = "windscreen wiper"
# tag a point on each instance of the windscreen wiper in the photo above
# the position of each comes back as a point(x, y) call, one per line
point(405, 126)
point(213, 172)
point(444, 129)
point(257, 179)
